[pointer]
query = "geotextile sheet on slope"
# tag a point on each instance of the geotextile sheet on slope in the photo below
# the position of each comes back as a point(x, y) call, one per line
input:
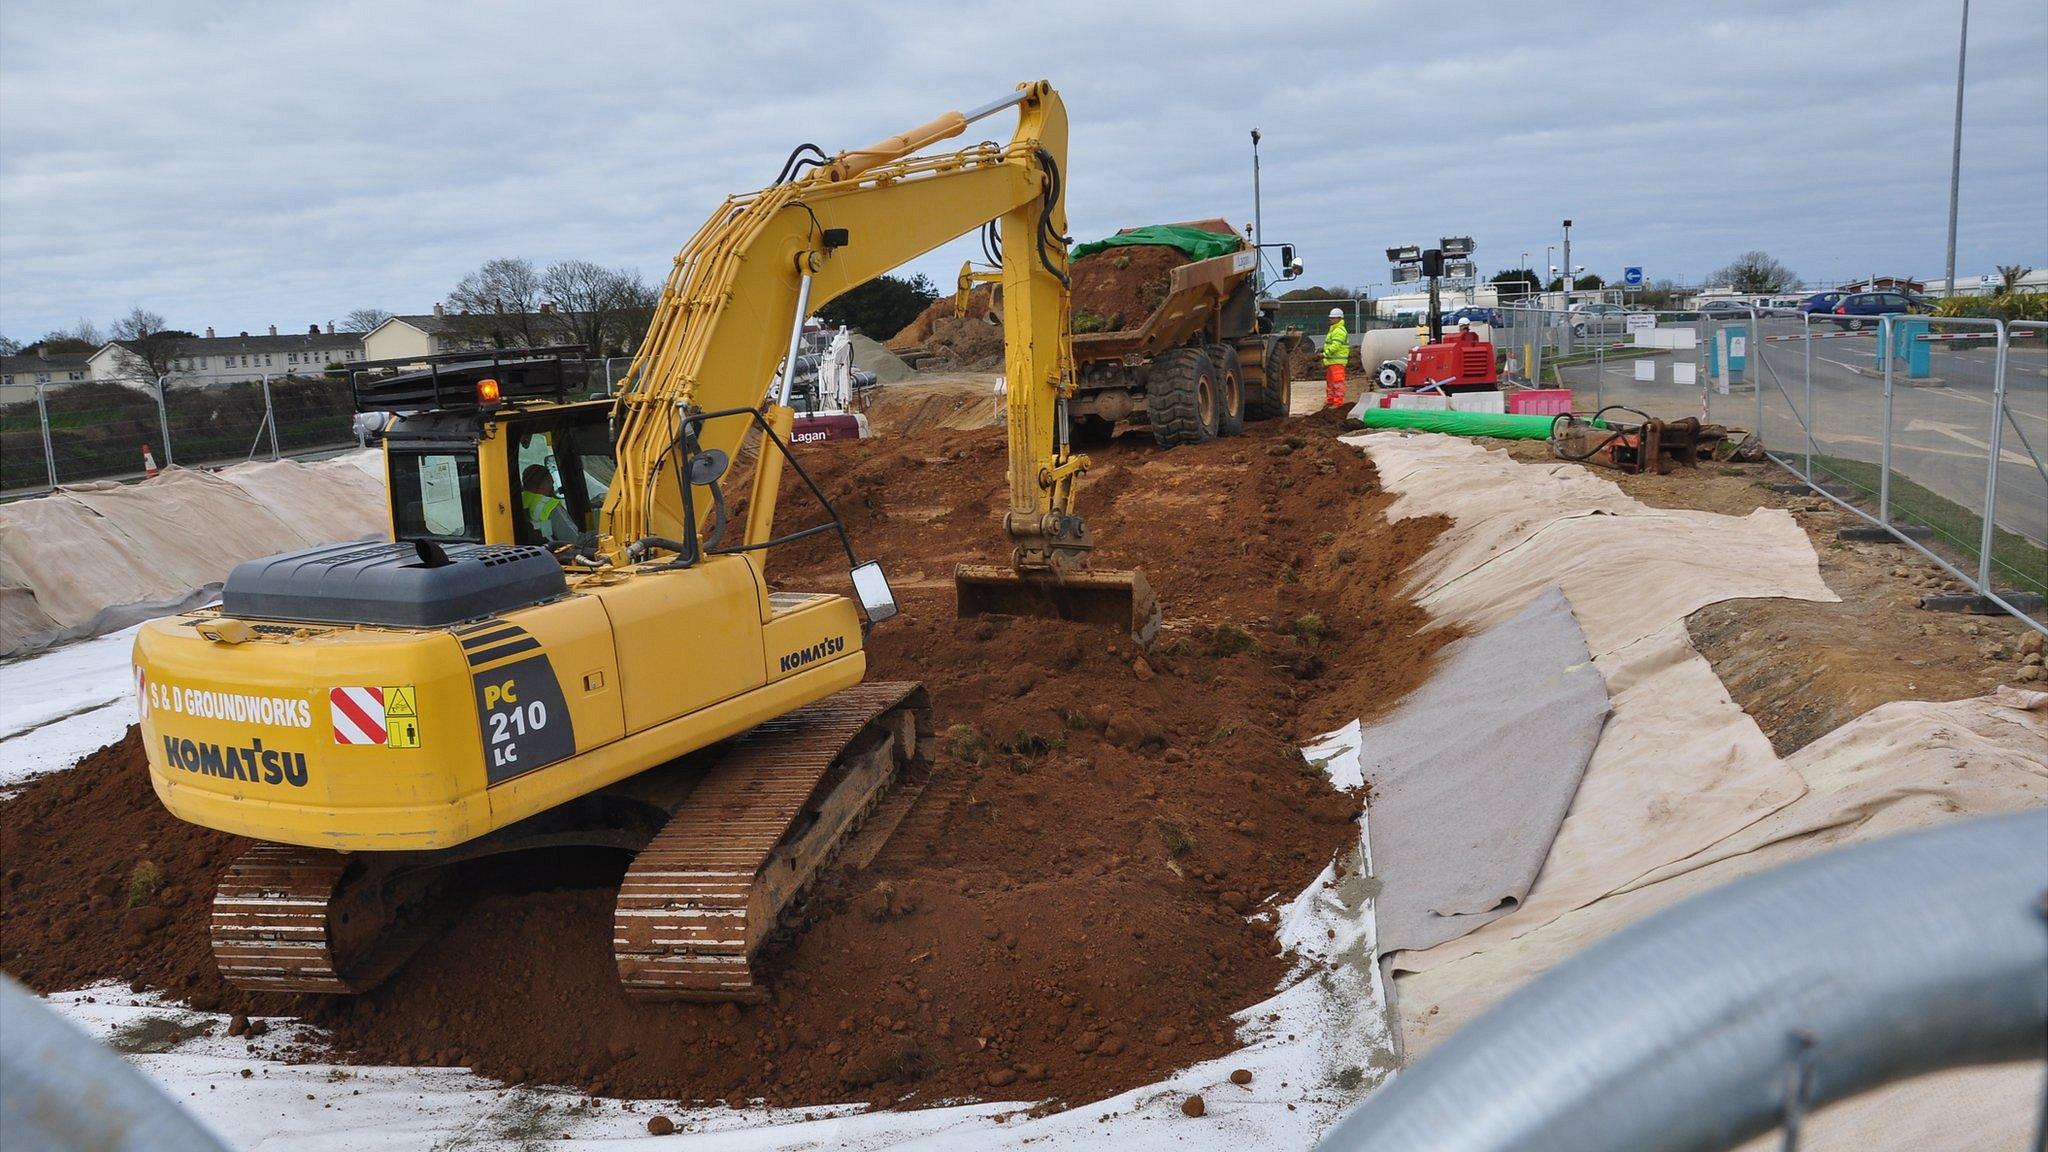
point(1472, 774)
point(1678, 765)
point(1897, 767)
point(98, 557)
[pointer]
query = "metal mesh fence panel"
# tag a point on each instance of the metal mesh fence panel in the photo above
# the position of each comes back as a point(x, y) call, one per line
point(216, 424)
point(99, 428)
point(24, 466)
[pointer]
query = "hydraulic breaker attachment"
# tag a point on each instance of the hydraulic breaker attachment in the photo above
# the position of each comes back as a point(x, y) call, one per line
point(1121, 600)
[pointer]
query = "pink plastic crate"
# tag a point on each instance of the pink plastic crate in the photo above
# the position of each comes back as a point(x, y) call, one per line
point(1541, 402)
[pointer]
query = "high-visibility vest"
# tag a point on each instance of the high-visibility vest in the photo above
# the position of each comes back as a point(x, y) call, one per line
point(539, 508)
point(1336, 345)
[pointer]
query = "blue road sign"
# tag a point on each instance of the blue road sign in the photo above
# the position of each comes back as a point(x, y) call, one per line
point(1632, 276)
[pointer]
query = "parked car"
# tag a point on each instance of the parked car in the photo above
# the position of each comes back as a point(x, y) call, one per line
point(1597, 318)
point(1475, 314)
point(1821, 303)
point(1859, 310)
point(1726, 310)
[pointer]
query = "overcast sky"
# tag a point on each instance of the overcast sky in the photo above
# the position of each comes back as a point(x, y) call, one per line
point(239, 165)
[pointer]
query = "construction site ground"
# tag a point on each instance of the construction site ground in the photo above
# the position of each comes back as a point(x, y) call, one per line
point(1061, 908)
point(1082, 897)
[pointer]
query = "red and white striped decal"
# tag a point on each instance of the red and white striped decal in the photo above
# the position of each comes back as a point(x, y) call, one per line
point(358, 715)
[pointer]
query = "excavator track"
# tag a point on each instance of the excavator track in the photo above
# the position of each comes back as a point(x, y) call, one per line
point(293, 919)
point(711, 886)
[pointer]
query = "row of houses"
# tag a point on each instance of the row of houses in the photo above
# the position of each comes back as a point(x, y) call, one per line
point(216, 359)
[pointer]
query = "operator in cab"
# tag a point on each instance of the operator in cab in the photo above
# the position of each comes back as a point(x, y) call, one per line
point(544, 508)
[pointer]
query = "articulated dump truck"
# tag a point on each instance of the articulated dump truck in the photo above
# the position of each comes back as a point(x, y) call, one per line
point(1203, 362)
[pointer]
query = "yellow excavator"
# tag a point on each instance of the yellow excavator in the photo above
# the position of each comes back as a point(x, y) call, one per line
point(567, 611)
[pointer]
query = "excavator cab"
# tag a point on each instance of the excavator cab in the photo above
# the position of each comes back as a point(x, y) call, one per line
point(493, 449)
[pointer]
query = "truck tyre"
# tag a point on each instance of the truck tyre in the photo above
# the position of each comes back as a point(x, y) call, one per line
point(1229, 389)
point(1271, 400)
point(1181, 397)
point(1093, 430)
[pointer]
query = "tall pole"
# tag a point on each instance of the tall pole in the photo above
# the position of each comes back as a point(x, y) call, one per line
point(1567, 265)
point(1258, 220)
point(1955, 163)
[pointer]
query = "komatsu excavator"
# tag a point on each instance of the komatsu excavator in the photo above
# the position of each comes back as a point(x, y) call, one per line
point(567, 609)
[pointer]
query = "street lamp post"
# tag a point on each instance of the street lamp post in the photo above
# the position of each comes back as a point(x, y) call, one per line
point(1955, 162)
point(1258, 221)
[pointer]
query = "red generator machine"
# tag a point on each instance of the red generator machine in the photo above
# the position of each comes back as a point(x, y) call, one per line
point(1457, 362)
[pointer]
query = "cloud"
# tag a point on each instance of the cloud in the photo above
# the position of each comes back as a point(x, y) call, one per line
point(246, 164)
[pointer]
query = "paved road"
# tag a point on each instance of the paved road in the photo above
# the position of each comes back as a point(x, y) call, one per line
point(1941, 435)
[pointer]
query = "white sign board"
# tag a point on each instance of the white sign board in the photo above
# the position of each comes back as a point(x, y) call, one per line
point(1683, 373)
point(1646, 370)
point(1641, 322)
point(1738, 347)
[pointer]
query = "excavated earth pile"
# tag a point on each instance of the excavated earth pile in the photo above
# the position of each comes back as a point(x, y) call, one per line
point(1062, 909)
point(1114, 289)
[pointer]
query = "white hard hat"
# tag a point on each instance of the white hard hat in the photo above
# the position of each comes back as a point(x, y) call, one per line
point(1464, 321)
point(1336, 313)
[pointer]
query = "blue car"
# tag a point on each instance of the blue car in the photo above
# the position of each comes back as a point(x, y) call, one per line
point(1821, 303)
point(1860, 310)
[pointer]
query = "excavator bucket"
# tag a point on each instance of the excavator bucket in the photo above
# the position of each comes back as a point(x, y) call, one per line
point(1121, 600)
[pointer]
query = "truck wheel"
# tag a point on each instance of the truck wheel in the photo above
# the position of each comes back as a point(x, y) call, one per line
point(1271, 400)
point(1181, 397)
point(1093, 430)
point(1229, 389)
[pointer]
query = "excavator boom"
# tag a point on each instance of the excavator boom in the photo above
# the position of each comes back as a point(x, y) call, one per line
point(787, 250)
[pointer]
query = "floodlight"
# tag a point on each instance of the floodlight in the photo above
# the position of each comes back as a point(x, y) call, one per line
point(1406, 273)
point(1456, 245)
point(1460, 269)
point(1404, 255)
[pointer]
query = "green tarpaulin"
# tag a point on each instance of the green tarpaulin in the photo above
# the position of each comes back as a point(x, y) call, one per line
point(1197, 243)
point(1505, 427)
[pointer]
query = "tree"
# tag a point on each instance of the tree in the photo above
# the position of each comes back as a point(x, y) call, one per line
point(603, 309)
point(81, 337)
point(2009, 277)
point(147, 347)
point(881, 307)
point(1585, 283)
point(1511, 283)
point(364, 320)
point(498, 305)
point(9, 346)
point(1756, 273)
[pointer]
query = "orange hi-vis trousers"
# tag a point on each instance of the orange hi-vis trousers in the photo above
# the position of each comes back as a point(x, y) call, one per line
point(1333, 385)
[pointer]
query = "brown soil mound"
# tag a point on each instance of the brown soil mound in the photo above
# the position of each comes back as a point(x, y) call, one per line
point(1117, 288)
point(1060, 913)
point(980, 302)
point(970, 345)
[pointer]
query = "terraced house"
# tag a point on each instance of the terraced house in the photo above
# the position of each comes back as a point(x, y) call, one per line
point(212, 359)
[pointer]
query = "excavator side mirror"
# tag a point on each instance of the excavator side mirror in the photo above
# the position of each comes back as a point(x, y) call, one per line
point(872, 589)
point(1287, 256)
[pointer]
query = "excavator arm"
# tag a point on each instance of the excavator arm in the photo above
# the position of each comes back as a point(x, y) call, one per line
point(736, 299)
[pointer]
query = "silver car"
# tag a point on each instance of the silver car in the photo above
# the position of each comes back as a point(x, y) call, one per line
point(1597, 318)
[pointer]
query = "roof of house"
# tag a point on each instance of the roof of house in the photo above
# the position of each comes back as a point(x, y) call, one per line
point(434, 325)
point(54, 362)
point(226, 345)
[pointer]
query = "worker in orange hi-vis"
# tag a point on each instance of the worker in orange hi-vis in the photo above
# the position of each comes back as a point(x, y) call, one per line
point(1336, 350)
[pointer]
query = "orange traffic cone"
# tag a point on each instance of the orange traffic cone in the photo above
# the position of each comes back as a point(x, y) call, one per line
point(148, 464)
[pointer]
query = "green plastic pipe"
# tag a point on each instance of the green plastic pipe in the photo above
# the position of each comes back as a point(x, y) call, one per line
point(1507, 426)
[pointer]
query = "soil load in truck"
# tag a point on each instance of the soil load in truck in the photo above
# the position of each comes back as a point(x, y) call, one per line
point(1168, 333)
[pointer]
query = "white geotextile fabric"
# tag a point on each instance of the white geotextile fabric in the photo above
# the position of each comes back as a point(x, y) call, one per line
point(78, 555)
point(1684, 793)
point(1897, 767)
point(1679, 765)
